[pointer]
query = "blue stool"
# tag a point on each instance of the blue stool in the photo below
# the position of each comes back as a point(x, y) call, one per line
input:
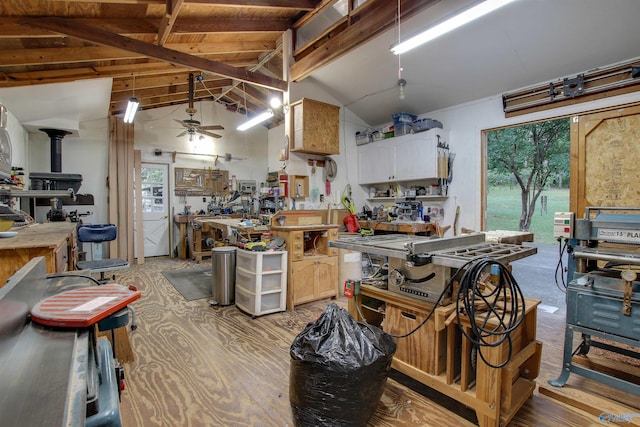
point(97, 234)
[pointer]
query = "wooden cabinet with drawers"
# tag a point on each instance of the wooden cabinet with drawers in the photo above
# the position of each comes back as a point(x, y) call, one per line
point(313, 264)
point(56, 241)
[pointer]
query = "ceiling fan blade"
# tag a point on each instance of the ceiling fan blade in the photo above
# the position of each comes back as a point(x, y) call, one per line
point(211, 134)
point(212, 127)
point(181, 134)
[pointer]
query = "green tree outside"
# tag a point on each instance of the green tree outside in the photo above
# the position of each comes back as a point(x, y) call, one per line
point(531, 157)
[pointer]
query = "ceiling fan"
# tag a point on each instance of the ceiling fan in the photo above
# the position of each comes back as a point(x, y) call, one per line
point(193, 126)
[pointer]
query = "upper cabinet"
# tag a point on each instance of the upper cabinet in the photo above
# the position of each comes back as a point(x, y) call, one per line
point(315, 127)
point(405, 158)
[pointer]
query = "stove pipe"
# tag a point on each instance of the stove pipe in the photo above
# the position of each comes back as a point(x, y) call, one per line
point(56, 136)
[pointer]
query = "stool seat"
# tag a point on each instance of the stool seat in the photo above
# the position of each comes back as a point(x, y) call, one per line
point(115, 321)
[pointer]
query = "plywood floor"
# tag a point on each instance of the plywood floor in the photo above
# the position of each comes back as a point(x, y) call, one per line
point(202, 366)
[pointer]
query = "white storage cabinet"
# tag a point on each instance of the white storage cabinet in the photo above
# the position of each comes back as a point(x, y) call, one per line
point(405, 158)
point(261, 281)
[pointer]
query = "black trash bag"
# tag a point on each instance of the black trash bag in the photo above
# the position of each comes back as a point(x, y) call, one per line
point(339, 368)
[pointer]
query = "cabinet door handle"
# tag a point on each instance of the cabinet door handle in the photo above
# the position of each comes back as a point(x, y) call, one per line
point(408, 315)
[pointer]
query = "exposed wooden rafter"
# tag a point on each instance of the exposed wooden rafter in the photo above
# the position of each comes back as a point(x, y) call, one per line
point(99, 36)
point(372, 18)
point(169, 18)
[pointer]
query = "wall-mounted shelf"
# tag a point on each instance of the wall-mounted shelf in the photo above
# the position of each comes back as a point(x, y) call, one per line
point(393, 199)
point(299, 186)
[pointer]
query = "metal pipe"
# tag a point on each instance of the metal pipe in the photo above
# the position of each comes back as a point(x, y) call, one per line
point(624, 259)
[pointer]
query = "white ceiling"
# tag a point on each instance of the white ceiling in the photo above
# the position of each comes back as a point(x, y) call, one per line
point(524, 43)
point(60, 106)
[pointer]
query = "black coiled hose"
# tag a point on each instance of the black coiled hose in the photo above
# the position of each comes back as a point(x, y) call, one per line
point(503, 307)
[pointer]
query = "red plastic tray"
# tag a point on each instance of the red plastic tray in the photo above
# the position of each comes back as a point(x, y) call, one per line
point(83, 307)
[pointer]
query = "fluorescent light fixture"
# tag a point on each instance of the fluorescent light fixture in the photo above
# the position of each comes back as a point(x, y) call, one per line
point(257, 119)
point(450, 24)
point(132, 107)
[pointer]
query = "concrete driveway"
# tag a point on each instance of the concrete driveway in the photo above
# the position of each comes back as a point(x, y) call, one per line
point(536, 276)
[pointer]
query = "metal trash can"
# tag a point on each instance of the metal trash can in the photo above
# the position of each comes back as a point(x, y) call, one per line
point(223, 264)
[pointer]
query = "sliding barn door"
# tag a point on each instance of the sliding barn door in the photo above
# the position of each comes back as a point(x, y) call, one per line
point(605, 159)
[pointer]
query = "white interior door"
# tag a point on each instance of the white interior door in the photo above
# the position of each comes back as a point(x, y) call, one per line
point(155, 209)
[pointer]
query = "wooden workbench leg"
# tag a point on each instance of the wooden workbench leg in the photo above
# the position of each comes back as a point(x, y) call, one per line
point(196, 253)
point(489, 381)
point(183, 241)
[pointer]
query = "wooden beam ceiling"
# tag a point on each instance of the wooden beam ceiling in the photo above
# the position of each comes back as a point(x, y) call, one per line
point(235, 45)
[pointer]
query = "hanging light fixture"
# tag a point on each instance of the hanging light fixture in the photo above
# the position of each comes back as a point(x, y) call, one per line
point(132, 105)
point(450, 24)
point(256, 120)
point(401, 82)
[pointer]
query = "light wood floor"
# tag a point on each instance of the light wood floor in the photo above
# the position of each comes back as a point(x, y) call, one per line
point(202, 366)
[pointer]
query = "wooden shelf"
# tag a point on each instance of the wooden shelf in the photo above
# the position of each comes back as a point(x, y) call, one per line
point(391, 199)
point(439, 356)
point(298, 186)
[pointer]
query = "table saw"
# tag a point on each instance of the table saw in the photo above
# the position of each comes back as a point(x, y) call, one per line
point(420, 266)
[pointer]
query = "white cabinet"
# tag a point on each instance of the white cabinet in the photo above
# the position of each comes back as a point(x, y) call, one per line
point(375, 162)
point(405, 158)
point(415, 158)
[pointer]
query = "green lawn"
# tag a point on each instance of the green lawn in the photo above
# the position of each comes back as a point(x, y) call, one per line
point(504, 209)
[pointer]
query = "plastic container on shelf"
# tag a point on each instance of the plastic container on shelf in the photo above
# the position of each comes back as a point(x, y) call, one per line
point(257, 262)
point(403, 118)
point(402, 129)
point(255, 282)
point(402, 123)
point(425, 124)
point(259, 304)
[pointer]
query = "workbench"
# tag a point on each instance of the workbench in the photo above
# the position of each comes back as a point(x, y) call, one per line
point(227, 229)
point(187, 240)
point(182, 221)
point(55, 241)
point(411, 228)
point(439, 356)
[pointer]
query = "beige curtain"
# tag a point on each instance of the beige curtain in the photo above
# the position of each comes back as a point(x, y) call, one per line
point(120, 183)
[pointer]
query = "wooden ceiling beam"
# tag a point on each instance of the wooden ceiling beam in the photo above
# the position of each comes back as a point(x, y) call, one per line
point(66, 55)
point(119, 106)
point(97, 35)
point(149, 87)
point(15, 27)
point(34, 77)
point(371, 19)
point(169, 18)
point(173, 89)
point(269, 4)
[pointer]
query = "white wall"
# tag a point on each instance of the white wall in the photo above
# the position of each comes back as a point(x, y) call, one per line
point(346, 161)
point(19, 138)
point(86, 154)
point(465, 124)
point(157, 129)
